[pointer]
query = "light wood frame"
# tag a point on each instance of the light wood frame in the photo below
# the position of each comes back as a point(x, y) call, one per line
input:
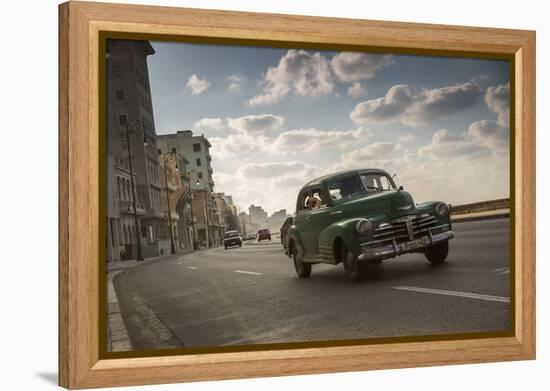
point(80, 23)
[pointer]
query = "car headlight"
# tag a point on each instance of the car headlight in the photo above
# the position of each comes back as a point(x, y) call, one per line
point(441, 209)
point(363, 227)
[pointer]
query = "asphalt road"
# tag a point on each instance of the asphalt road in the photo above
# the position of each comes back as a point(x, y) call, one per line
point(252, 295)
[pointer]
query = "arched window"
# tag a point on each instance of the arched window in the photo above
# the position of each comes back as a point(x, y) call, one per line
point(123, 182)
point(128, 190)
point(118, 188)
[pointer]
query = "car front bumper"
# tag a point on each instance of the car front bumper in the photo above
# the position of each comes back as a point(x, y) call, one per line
point(389, 251)
point(233, 242)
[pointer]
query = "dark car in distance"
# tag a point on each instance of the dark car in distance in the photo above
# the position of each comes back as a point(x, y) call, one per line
point(264, 234)
point(232, 238)
point(357, 217)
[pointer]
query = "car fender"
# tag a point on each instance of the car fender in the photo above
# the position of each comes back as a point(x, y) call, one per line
point(293, 234)
point(344, 229)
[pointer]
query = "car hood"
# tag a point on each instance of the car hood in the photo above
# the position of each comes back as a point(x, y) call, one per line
point(393, 203)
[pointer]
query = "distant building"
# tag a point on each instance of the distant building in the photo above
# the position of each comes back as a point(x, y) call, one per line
point(258, 216)
point(196, 151)
point(221, 205)
point(129, 107)
point(277, 219)
point(244, 224)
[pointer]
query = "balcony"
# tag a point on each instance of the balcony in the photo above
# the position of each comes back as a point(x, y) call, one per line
point(128, 207)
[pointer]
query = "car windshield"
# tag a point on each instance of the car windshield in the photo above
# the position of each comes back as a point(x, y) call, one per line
point(376, 182)
point(358, 184)
point(231, 234)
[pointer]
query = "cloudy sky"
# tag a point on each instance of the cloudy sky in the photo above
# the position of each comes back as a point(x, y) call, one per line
point(277, 118)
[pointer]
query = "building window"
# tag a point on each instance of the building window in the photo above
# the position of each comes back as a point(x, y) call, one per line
point(200, 175)
point(199, 163)
point(119, 95)
point(125, 234)
point(119, 193)
point(159, 151)
point(174, 150)
point(196, 147)
point(117, 74)
point(122, 119)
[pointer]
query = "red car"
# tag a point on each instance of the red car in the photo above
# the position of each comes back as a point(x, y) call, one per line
point(264, 234)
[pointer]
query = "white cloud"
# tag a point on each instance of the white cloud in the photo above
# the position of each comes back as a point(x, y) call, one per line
point(490, 134)
point(401, 105)
point(239, 144)
point(235, 84)
point(498, 100)
point(309, 140)
point(376, 150)
point(298, 72)
point(197, 85)
point(272, 169)
point(406, 138)
point(441, 102)
point(356, 90)
point(209, 123)
point(256, 124)
point(388, 108)
point(355, 66)
point(444, 145)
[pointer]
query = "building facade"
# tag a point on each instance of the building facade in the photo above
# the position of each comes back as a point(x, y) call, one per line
point(258, 216)
point(131, 134)
point(206, 227)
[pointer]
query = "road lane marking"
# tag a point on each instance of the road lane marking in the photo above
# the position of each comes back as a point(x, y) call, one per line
point(478, 296)
point(245, 272)
point(192, 267)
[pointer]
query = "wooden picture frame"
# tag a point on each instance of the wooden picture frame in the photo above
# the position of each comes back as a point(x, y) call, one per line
point(80, 27)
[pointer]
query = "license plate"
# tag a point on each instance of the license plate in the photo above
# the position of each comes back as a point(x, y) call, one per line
point(414, 244)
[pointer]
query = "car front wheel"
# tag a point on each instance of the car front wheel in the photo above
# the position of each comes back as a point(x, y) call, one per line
point(303, 270)
point(355, 270)
point(438, 253)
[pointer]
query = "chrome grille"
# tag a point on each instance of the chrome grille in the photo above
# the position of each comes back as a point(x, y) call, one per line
point(399, 231)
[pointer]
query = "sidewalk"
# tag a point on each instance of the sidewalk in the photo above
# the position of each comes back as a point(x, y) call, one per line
point(117, 334)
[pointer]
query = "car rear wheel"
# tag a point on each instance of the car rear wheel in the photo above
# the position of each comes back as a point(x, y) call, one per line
point(438, 253)
point(355, 270)
point(303, 270)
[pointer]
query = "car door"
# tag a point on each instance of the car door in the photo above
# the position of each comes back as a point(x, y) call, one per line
point(302, 222)
point(317, 220)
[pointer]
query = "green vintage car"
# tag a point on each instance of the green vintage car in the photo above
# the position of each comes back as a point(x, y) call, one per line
point(359, 217)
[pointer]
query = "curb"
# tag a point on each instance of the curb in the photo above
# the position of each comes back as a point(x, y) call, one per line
point(144, 329)
point(117, 335)
point(466, 218)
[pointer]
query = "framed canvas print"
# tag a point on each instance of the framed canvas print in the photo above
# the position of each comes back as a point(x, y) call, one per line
point(247, 195)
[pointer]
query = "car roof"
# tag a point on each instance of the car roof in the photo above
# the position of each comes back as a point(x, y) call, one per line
point(335, 175)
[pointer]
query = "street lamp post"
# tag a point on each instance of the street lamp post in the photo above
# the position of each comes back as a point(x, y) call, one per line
point(194, 239)
point(195, 173)
point(136, 130)
point(171, 156)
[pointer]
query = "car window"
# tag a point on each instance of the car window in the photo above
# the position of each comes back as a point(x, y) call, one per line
point(376, 182)
point(313, 199)
point(345, 188)
point(304, 201)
